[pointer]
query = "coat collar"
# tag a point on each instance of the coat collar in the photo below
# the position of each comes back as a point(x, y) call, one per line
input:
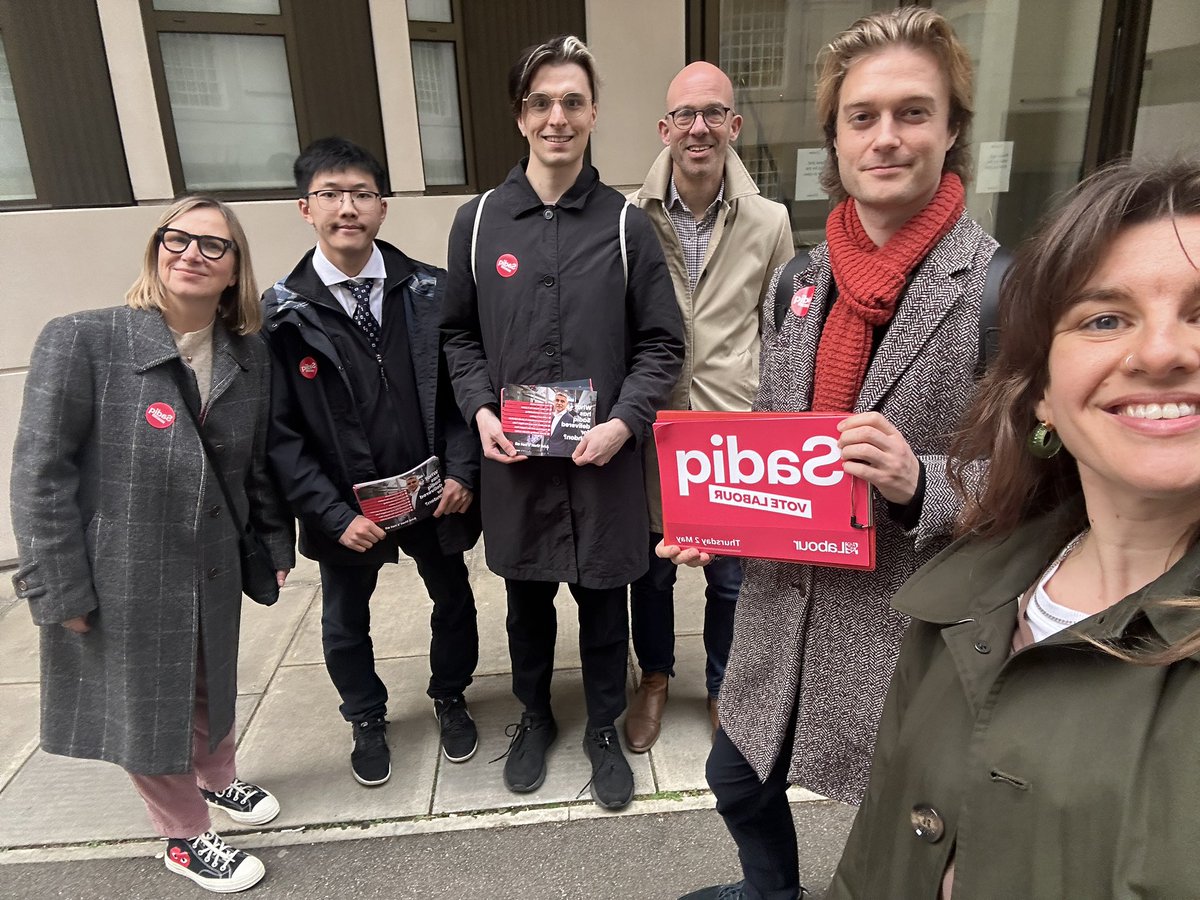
point(517, 195)
point(304, 282)
point(151, 345)
point(974, 579)
point(935, 289)
point(738, 182)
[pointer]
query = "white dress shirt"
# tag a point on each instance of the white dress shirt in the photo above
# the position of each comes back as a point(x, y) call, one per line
point(333, 278)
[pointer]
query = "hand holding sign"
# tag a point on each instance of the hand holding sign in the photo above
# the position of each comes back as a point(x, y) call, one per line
point(873, 450)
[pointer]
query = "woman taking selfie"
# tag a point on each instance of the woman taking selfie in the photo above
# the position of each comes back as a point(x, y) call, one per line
point(1039, 737)
point(128, 548)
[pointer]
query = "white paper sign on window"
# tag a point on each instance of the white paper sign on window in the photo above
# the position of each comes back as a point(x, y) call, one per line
point(809, 164)
point(995, 165)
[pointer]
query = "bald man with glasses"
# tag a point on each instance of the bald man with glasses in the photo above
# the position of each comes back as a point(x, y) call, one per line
point(722, 240)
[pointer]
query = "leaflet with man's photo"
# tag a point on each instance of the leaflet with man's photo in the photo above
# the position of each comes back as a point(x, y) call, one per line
point(402, 499)
point(547, 419)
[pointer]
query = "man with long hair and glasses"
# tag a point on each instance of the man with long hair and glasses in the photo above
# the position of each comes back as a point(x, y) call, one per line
point(360, 393)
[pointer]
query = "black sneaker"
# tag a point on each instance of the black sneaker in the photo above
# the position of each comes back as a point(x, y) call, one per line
point(244, 802)
point(370, 759)
point(612, 779)
point(213, 864)
point(525, 767)
point(459, 737)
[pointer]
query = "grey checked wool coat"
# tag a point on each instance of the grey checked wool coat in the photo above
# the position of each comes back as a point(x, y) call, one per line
point(817, 646)
point(123, 522)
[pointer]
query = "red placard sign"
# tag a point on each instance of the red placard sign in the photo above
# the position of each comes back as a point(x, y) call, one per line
point(767, 485)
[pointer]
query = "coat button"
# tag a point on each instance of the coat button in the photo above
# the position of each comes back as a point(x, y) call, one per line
point(22, 586)
point(215, 512)
point(213, 573)
point(548, 281)
point(556, 481)
point(927, 823)
point(983, 647)
point(550, 351)
point(547, 214)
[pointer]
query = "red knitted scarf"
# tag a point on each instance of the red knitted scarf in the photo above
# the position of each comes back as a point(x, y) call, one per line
point(870, 280)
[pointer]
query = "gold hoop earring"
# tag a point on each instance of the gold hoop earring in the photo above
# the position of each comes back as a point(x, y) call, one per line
point(1044, 441)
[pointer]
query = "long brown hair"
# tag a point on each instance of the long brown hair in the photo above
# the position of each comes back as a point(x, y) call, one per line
point(1045, 280)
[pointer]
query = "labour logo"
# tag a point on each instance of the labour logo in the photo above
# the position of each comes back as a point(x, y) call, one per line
point(308, 367)
point(160, 415)
point(506, 265)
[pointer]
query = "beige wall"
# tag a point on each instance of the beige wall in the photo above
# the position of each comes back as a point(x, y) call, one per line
point(91, 256)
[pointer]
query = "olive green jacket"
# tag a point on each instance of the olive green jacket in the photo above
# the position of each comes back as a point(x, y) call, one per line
point(1057, 772)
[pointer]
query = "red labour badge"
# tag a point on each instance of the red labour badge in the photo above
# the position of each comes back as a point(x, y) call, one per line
point(802, 300)
point(308, 368)
point(160, 415)
point(506, 265)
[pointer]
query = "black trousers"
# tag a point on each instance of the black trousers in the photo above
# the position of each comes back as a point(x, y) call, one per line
point(603, 646)
point(759, 819)
point(346, 627)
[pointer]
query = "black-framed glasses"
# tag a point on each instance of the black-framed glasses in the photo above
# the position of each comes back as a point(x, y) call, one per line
point(332, 199)
point(177, 240)
point(573, 104)
point(714, 116)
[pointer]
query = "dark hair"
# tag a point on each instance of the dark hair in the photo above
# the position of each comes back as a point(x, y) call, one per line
point(336, 154)
point(1043, 283)
point(910, 26)
point(558, 51)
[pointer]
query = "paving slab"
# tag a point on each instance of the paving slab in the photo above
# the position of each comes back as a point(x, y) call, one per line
point(298, 747)
point(18, 645)
point(267, 632)
point(55, 799)
point(479, 784)
point(682, 748)
point(18, 727)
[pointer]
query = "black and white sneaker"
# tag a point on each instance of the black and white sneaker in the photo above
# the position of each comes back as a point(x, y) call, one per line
point(370, 759)
point(213, 864)
point(612, 779)
point(460, 739)
point(244, 802)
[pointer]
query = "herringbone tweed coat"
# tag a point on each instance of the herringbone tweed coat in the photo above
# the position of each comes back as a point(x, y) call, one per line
point(123, 521)
point(817, 646)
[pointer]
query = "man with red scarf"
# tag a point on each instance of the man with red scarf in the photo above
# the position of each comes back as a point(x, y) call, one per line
point(881, 321)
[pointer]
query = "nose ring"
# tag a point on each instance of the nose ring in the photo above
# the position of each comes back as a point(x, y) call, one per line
point(1127, 364)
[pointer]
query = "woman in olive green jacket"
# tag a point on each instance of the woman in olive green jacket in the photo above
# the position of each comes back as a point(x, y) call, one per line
point(1040, 737)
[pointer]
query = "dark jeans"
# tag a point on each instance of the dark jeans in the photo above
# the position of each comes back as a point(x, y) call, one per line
point(603, 643)
point(346, 628)
point(652, 606)
point(758, 818)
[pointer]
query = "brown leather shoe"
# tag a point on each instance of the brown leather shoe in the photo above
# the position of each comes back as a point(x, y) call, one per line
point(643, 721)
point(712, 715)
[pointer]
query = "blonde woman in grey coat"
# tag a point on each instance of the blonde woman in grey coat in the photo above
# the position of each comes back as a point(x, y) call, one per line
point(128, 552)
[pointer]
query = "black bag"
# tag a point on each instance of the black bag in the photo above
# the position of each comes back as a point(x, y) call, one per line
point(258, 570)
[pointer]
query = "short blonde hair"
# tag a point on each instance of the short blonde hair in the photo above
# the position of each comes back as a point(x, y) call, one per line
point(919, 29)
point(239, 306)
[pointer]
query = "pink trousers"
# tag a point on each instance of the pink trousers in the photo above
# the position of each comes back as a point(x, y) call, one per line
point(174, 802)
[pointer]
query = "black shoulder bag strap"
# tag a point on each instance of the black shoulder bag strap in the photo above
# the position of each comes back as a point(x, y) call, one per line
point(258, 571)
point(783, 290)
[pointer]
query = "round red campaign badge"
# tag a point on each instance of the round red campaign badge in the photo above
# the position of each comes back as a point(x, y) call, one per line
point(308, 367)
point(506, 265)
point(802, 300)
point(160, 415)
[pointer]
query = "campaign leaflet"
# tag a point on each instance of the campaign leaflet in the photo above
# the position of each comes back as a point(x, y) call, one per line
point(547, 419)
point(402, 499)
point(765, 485)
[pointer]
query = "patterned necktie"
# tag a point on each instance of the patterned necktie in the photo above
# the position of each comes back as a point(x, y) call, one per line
point(361, 292)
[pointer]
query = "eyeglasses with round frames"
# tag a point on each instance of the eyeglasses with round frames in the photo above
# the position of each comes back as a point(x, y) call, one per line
point(539, 105)
point(685, 116)
point(211, 247)
point(332, 199)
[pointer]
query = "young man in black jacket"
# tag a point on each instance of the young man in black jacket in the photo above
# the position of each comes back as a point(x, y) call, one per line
point(359, 392)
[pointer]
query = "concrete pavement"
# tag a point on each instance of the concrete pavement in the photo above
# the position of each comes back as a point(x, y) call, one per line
point(292, 740)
